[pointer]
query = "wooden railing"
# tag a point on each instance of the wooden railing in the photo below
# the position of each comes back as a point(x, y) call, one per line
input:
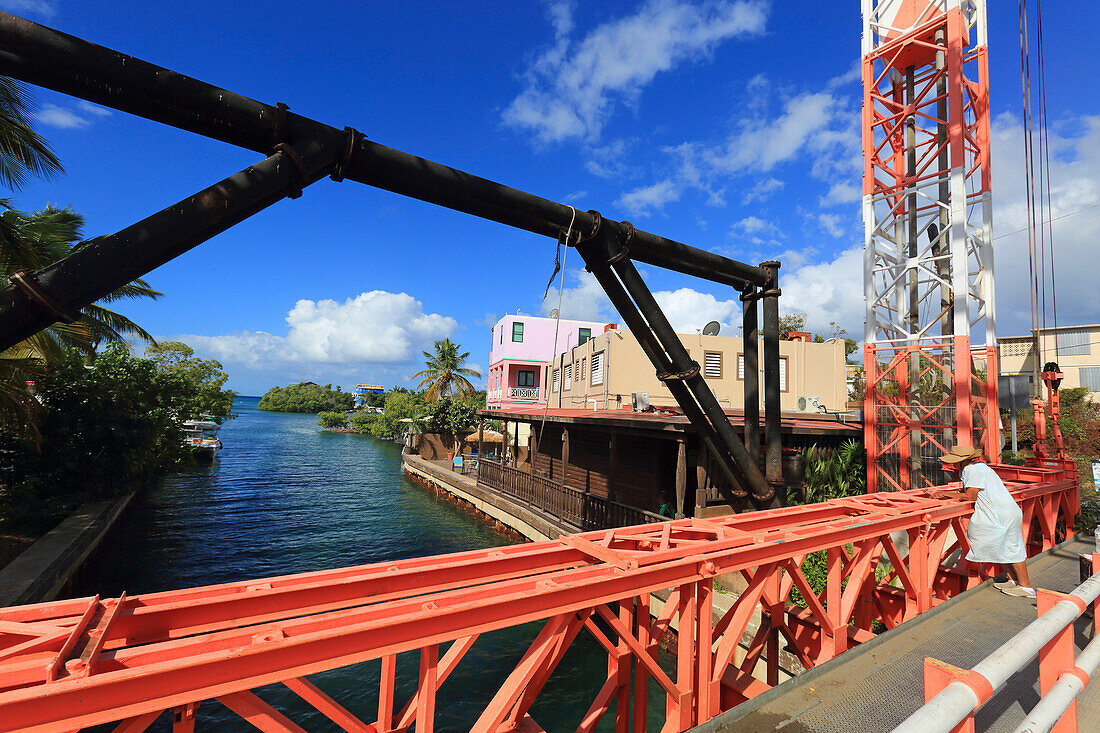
point(576, 508)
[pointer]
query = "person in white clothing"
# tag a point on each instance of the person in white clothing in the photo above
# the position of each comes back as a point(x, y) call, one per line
point(995, 531)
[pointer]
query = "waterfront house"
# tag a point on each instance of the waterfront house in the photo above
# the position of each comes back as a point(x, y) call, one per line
point(1076, 350)
point(362, 390)
point(521, 352)
point(605, 468)
point(604, 372)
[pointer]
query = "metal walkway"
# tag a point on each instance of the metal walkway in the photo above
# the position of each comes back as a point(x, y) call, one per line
point(876, 686)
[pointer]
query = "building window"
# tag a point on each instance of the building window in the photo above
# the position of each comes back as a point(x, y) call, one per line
point(583, 335)
point(1072, 343)
point(712, 364)
point(502, 333)
point(1090, 378)
point(517, 332)
point(557, 377)
point(580, 372)
point(783, 368)
point(525, 378)
point(568, 376)
point(597, 368)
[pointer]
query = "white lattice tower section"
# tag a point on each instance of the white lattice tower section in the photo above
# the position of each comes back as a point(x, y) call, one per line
point(928, 263)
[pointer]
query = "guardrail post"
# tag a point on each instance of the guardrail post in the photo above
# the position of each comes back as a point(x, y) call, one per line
point(1057, 656)
point(938, 675)
point(1096, 603)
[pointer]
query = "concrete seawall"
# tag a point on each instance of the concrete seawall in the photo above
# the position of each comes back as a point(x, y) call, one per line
point(45, 568)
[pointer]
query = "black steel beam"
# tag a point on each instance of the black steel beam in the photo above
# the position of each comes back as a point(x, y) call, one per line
point(773, 451)
point(750, 335)
point(112, 261)
point(595, 254)
point(64, 63)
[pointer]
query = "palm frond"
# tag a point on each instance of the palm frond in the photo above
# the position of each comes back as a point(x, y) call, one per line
point(105, 324)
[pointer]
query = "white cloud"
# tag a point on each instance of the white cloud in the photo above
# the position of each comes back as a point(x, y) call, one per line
point(763, 190)
point(826, 291)
point(753, 225)
point(820, 129)
point(1075, 186)
point(583, 300)
point(93, 109)
point(688, 310)
point(831, 224)
point(650, 199)
point(842, 192)
point(40, 8)
point(761, 144)
point(610, 160)
point(376, 327)
point(67, 119)
point(572, 87)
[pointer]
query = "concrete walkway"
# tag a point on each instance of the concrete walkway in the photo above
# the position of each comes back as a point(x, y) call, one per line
point(47, 566)
point(875, 686)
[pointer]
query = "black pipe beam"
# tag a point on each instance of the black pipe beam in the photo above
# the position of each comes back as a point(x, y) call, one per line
point(595, 252)
point(750, 336)
point(110, 262)
point(64, 63)
point(683, 364)
point(773, 451)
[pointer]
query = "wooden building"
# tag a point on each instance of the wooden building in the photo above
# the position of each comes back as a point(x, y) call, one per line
point(621, 463)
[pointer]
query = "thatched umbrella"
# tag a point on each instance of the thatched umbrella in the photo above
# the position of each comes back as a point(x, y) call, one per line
point(488, 436)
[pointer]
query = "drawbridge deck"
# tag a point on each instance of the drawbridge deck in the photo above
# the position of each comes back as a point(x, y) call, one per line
point(71, 664)
point(878, 685)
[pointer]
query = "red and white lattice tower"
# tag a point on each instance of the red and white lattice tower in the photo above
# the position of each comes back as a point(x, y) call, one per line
point(928, 259)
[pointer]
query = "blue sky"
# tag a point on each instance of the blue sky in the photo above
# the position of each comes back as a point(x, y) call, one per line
point(732, 126)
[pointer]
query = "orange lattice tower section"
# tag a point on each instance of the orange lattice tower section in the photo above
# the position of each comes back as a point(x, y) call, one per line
point(928, 260)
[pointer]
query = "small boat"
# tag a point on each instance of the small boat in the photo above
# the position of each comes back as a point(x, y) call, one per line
point(202, 437)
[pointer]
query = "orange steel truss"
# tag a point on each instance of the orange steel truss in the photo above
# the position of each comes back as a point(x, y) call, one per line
point(928, 257)
point(71, 664)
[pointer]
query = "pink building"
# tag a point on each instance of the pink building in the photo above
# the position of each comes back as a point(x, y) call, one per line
point(519, 359)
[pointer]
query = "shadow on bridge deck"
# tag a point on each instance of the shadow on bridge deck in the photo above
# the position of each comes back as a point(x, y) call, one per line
point(877, 685)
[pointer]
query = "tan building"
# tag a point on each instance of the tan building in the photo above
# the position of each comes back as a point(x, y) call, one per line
point(1076, 349)
point(603, 372)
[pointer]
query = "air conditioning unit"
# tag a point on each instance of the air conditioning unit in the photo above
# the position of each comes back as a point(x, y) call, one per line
point(808, 403)
point(639, 401)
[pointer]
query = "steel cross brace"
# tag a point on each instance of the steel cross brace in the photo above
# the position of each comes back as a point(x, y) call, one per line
point(302, 151)
point(155, 658)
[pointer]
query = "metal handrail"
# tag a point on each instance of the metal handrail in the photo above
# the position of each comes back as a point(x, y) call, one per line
point(963, 696)
point(1053, 705)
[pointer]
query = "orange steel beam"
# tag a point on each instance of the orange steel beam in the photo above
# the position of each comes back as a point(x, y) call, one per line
point(67, 665)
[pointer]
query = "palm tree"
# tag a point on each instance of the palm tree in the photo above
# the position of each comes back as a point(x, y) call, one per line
point(23, 153)
point(31, 242)
point(444, 374)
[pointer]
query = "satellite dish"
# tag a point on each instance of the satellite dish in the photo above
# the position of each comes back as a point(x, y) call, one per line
point(712, 328)
point(554, 313)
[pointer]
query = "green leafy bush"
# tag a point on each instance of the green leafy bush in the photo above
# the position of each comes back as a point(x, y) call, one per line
point(306, 397)
point(832, 473)
point(332, 419)
point(102, 431)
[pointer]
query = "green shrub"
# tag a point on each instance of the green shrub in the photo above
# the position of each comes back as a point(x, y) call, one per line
point(832, 473)
point(306, 397)
point(332, 419)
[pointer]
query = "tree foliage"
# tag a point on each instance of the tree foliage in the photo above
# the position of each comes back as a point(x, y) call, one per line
point(204, 378)
point(443, 374)
point(103, 430)
point(402, 411)
point(306, 397)
point(329, 420)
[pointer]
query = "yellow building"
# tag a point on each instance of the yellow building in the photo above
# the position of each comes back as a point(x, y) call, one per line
point(603, 372)
point(1076, 349)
